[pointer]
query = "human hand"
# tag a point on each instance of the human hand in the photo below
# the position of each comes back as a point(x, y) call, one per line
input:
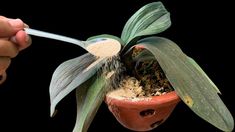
point(12, 40)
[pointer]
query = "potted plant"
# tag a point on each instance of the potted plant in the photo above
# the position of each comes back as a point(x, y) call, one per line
point(153, 69)
point(144, 98)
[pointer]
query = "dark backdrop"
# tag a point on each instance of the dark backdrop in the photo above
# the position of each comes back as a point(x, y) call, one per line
point(202, 29)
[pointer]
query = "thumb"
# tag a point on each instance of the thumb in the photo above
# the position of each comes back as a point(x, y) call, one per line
point(9, 27)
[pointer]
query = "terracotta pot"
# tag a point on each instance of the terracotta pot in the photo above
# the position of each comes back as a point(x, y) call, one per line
point(142, 114)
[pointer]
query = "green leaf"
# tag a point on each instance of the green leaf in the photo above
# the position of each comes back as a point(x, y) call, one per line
point(70, 75)
point(194, 63)
point(106, 36)
point(151, 19)
point(193, 87)
point(89, 97)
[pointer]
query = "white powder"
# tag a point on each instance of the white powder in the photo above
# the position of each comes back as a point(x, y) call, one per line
point(107, 48)
point(129, 89)
point(125, 94)
point(109, 74)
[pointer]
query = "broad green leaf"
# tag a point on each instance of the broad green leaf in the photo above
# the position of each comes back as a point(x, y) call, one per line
point(89, 97)
point(151, 19)
point(106, 36)
point(70, 75)
point(194, 63)
point(191, 84)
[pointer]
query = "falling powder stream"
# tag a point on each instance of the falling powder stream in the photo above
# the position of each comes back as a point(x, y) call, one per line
point(108, 50)
point(113, 70)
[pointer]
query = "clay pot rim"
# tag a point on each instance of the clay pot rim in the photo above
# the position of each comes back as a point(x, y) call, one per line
point(166, 99)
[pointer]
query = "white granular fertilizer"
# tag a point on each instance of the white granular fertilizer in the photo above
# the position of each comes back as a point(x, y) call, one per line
point(107, 48)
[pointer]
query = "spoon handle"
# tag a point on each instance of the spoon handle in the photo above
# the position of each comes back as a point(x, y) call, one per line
point(54, 36)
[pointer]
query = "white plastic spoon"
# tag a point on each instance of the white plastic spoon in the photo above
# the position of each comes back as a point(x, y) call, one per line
point(101, 47)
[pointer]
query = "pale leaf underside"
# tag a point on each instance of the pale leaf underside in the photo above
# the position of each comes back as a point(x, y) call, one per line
point(89, 97)
point(70, 74)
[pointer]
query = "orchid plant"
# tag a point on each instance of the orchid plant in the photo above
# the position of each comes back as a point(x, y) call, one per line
point(190, 82)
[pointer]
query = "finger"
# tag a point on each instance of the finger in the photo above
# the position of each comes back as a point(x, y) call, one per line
point(8, 48)
point(4, 64)
point(21, 39)
point(3, 77)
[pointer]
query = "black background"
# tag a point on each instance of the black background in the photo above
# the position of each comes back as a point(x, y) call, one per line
point(203, 29)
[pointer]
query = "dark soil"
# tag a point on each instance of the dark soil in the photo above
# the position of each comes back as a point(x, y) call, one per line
point(152, 78)
point(146, 78)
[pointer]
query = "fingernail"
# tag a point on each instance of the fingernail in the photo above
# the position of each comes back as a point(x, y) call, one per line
point(26, 25)
point(16, 23)
point(13, 39)
point(2, 77)
point(27, 38)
